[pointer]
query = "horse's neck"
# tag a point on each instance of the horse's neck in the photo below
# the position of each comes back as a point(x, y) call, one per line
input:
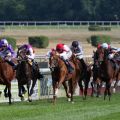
point(61, 63)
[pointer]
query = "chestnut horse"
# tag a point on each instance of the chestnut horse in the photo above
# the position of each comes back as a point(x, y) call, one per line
point(60, 75)
point(7, 74)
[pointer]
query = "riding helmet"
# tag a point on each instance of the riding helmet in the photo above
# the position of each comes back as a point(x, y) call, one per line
point(75, 43)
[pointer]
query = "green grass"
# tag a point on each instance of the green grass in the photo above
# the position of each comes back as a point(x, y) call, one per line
point(91, 109)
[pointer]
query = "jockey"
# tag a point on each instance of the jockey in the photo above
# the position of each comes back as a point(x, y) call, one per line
point(30, 55)
point(7, 52)
point(50, 53)
point(65, 54)
point(78, 52)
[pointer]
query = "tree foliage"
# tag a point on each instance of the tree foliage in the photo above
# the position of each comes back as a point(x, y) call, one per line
point(59, 10)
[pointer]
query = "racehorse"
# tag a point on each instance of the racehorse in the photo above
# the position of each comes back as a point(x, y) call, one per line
point(7, 74)
point(108, 72)
point(25, 75)
point(96, 83)
point(60, 75)
point(82, 77)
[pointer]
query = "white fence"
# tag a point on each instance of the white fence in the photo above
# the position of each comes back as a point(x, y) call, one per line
point(58, 23)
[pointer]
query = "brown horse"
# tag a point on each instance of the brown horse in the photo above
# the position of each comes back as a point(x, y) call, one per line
point(82, 77)
point(60, 75)
point(7, 74)
point(108, 72)
point(25, 75)
point(96, 82)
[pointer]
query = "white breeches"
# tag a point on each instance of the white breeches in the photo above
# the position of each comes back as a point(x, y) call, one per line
point(32, 56)
point(66, 55)
point(79, 56)
point(111, 56)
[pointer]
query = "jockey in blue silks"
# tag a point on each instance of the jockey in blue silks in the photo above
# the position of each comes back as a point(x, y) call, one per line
point(7, 52)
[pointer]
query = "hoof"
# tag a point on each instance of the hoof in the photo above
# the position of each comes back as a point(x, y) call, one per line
point(69, 99)
point(72, 102)
point(29, 99)
point(114, 91)
point(6, 95)
point(22, 98)
point(24, 91)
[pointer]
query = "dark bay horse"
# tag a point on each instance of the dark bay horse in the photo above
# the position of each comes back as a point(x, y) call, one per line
point(7, 74)
point(108, 72)
point(60, 75)
point(25, 76)
point(96, 82)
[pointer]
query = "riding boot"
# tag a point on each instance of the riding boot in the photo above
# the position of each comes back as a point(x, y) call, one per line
point(12, 64)
point(36, 69)
point(69, 66)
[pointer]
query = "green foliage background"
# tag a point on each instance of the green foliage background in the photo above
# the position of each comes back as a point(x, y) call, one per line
point(48, 10)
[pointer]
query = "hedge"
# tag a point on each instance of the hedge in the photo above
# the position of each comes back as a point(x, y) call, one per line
point(98, 39)
point(39, 41)
point(11, 41)
point(99, 28)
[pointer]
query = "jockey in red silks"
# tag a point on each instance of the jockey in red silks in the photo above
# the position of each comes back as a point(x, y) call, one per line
point(7, 52)
point(65, 54)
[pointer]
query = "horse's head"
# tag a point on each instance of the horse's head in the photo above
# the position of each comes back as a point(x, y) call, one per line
point(21, 54)
point(54, 62)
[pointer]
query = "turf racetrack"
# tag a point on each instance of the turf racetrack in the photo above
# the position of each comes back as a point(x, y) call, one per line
point(91, 109)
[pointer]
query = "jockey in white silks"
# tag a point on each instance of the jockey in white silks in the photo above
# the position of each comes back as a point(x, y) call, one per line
point(77, 50)
point(65, 54)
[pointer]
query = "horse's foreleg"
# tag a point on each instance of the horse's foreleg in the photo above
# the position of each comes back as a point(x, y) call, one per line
point(5, 92)
point(86, 87)
point(66, 90)
point(105, 92)
point(54, 84)
point(81, 87)
point(71, 84)
point(115, 85)
point(33, 85)
point(109, 90)
point(20, 94)
point(28, 88)
point(9, 92)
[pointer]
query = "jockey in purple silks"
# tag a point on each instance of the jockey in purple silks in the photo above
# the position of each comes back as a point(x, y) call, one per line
point(30, 55)
point(7, 52)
